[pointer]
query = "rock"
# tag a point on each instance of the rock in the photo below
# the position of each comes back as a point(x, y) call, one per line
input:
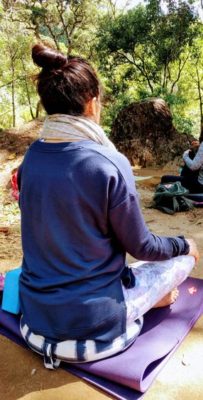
point(144, 132)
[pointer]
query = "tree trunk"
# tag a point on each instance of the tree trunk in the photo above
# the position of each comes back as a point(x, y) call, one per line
point(38, 108)
point(200, 97)
point(13, 94)
point(27, 89)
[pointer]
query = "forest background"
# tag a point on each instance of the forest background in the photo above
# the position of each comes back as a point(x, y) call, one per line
point(152, 49)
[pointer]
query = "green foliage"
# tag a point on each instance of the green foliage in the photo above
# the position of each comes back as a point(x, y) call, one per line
point(110, 112)
point(148, 39)
point(59, 20)
point(139, 53)
point(182, 124)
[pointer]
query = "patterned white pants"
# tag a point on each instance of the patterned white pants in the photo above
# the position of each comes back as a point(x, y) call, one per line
point(153, 281)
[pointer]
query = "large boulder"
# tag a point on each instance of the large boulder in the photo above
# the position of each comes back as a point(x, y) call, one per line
point(144, 132)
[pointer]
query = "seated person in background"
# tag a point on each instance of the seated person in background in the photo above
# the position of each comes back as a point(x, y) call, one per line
point(191, 176)
point(186, 172)
point(80, 215)
point(196, 165)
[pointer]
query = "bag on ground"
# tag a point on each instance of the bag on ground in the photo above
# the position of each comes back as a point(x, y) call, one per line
point(170, 198)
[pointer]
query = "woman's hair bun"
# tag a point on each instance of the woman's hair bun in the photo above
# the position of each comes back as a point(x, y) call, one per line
point(48, 58)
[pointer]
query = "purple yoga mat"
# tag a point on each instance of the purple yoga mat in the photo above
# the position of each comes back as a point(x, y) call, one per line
point(129, 374)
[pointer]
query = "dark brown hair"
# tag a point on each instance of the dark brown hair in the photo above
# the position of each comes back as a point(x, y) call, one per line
point(64, 84)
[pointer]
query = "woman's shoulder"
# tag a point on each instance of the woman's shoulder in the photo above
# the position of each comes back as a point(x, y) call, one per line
point(110, 154)
point(112, 161)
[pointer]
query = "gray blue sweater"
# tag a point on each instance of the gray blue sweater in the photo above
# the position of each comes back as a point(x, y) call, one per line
point(196, 163)
point(80, 215)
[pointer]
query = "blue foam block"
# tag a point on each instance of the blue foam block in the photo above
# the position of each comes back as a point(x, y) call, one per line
point(11, 301)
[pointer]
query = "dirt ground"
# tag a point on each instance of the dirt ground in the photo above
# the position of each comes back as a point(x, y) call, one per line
point(22, 373)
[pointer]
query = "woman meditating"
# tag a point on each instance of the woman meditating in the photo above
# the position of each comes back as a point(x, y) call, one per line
point(192, 173)
point(196, 164)
point(80, 216)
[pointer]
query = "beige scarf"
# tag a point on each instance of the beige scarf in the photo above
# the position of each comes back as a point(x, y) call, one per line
point(72, 128)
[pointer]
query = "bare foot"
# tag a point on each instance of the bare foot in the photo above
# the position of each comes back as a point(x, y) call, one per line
point(170, 298)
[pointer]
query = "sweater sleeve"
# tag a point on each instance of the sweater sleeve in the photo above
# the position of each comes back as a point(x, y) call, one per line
point(197, 162)
point(132, 233)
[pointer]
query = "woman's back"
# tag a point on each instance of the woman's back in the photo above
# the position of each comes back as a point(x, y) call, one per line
point(71, 257)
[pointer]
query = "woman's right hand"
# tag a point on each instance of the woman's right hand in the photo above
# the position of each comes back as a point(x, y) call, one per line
point(193, 251)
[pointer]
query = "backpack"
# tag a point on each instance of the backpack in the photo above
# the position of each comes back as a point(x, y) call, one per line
point(170, 198)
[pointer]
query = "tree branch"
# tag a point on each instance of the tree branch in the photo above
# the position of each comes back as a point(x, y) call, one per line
point(180, 68)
